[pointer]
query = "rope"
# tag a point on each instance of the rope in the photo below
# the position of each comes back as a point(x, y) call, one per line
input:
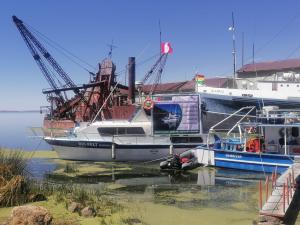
point(63, 50)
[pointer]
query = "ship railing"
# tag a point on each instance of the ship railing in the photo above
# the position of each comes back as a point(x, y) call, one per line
point(41, 132)
point(213, 129)
point(279, 116)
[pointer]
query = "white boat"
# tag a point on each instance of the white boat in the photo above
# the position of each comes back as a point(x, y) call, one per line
point(219, 102)
point(123, 140)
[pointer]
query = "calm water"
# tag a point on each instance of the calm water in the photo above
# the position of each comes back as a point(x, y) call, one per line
point(15, 131)
point(202, 196)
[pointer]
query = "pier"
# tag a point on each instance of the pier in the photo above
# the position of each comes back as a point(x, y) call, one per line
point(282, 192)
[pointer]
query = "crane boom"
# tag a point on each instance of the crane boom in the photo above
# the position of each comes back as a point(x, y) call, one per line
point(156, 69)
point(34, 45)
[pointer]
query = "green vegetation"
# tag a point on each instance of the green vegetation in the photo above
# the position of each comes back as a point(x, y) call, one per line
point(118, 195)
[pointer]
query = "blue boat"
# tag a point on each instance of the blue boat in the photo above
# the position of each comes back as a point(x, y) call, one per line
point(267, 142)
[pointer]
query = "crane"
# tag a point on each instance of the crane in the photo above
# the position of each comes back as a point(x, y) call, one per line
point(156, 71)
point(34, 46)
point(41, 56)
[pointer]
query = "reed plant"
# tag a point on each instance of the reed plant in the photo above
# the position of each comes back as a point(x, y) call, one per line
point(71, 168)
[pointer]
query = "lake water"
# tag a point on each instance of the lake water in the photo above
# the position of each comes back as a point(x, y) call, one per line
point(15, 130)
point(202, 196)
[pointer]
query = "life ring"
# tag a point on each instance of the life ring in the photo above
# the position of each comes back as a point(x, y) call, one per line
point(148, 104)
point(253, 145)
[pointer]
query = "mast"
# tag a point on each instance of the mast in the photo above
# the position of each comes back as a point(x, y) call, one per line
point(232, 29)
point(159, 81)
point(243, 49)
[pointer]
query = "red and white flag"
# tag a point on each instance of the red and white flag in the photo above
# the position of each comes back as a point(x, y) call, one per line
point(166, 48)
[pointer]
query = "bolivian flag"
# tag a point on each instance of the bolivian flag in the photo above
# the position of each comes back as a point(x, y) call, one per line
point(199, 79)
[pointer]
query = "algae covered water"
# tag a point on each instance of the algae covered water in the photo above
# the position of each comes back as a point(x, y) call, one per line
point(202, 196)
point(149, 196)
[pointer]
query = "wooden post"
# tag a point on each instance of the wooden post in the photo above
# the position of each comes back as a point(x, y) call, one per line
point(260, 195)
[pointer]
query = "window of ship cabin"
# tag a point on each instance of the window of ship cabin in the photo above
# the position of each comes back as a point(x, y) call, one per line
point(110, 131)
point(135, 130)
point(186, 139)
point(107, 131)
point(121, 130)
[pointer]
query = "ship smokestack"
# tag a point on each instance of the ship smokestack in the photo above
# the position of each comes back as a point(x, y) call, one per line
point(131, 79)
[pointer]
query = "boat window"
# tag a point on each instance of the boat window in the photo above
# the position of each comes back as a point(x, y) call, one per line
point(107, 131)
point(121, 130)
point(195, 140)
point(295, 131)
point(135, 130)
point(179, 139)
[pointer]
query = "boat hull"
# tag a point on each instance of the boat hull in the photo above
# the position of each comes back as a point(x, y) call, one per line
point(267, 163)
point(104, 151)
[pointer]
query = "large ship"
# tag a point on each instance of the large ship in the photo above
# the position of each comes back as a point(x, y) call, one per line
point(102, 120)
point(260, 84)
point(71, 103)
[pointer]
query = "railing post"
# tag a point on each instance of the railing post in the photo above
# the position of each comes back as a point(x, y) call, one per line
point(290, 188)
point(260, 195)
point(272, 180)
point(171, 149)
point(293, 178)
point(113, 149)
point(287, 192)
point(267, 188)
point(283, 198)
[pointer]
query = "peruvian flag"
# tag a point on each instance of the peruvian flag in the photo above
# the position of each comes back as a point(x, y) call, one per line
point(166, 48)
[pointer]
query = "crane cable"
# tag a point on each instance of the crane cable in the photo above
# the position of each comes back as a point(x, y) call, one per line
point(61, 49)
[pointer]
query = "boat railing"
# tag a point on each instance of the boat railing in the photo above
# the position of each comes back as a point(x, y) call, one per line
point(279, 116)
point(237, 124)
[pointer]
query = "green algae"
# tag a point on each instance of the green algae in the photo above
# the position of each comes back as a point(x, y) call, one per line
point(149, 196)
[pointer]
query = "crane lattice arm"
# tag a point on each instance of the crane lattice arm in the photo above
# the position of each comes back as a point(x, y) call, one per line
point(157, 68)
point(34, 46)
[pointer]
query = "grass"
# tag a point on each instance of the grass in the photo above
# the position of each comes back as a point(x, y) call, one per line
point(14, 189)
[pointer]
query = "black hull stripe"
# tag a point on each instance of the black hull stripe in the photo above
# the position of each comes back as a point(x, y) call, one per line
point(98, 145)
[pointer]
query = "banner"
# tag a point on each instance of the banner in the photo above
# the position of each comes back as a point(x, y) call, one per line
point(176, 114)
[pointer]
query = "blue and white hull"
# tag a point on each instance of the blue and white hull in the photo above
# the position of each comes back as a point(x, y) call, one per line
point(244, 160)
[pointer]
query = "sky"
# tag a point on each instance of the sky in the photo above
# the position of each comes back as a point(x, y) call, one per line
point(197, 30)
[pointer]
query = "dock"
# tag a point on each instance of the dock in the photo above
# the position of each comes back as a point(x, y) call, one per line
point(281, 194)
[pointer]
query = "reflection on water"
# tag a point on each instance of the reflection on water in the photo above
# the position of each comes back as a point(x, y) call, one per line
point(15, 132)
point(220, 196)
point(202, 196)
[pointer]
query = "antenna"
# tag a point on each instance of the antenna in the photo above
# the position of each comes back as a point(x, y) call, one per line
point(253, 53)
point(243, 44)
point(159, 27)
point(159, 36)
point(111, 47)
point(232, 29)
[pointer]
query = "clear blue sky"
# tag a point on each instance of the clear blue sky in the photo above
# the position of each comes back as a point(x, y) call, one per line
point(198, 31)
